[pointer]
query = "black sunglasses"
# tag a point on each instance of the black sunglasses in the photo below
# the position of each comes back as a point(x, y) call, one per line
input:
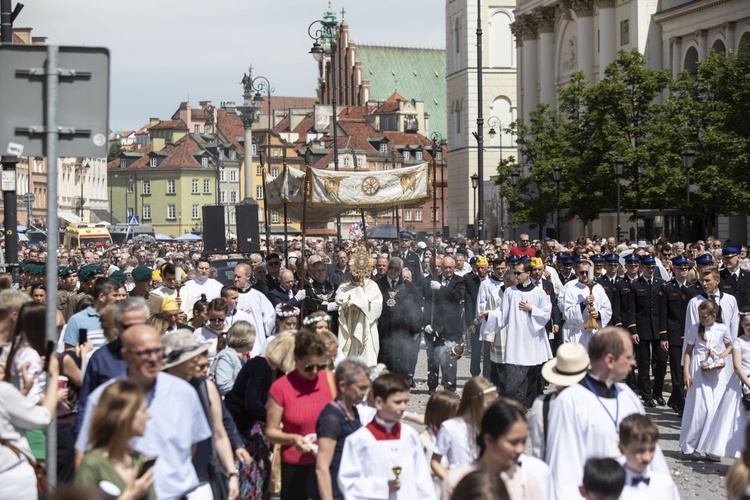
point(311, 368)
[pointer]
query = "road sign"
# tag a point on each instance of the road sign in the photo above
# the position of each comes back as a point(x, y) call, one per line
point(82, 103)
point(29, 198)
point(133, 220)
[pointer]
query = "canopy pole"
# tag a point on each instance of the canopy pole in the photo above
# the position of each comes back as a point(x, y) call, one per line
point(398, 230)
point(305, 189)
point(286, 237)
point(364, 226)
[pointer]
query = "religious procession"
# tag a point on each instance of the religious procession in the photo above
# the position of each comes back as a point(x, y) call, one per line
point(291, 376)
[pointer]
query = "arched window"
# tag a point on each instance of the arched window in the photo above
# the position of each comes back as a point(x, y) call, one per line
point(719, 46)
point(691, 61)
point(744, 42)
point(502, 49)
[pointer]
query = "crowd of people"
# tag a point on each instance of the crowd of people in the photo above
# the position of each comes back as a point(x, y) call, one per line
point(291, 373)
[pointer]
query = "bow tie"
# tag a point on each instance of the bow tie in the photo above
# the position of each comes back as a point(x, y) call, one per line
point(640, 479)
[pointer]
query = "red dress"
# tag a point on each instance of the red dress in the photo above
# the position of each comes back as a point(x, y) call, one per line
point(302, 400)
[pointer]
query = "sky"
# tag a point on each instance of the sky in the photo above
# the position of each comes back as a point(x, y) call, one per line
point(163, 52)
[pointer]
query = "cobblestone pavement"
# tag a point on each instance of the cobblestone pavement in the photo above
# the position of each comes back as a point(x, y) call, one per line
point(695, 477)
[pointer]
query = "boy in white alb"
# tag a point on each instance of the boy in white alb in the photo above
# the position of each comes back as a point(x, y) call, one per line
point(638, 437)
point(385, 459)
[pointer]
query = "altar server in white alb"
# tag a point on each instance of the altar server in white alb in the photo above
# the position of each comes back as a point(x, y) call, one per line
point(575, 302)
point(585, 419)
point(525, 310)
point(384, 459)
point(261, 311)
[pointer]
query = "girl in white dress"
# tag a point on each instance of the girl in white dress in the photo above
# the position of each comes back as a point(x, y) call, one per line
point(456, 438)
point(440, 407)
point(726, 436)
point(707, 346)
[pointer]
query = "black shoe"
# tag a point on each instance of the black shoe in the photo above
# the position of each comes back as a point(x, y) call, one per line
point(649, 403)
point(660, 401)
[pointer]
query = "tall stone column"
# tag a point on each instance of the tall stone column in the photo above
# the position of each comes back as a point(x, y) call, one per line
point(702, 37)
point(584, 10)
point(729, 31)
point(607, 34)
point(676, 56)
point(545, 20)
point(525, 30)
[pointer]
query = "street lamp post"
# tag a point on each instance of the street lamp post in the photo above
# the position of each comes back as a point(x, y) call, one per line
point(688, 155)
point(557, 175)
point(437, 153)
point(82, 169)
point(619, 165)
point(326, 31)
point(514, 176)
point(474, 184)
point(494, 121)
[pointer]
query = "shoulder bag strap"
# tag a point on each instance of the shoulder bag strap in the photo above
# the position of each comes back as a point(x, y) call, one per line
point(203, 397)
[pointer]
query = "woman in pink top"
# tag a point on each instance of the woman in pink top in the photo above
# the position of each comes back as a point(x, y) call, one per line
point(295, 402)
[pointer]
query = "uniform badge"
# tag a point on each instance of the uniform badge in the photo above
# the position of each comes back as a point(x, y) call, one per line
point(391, 301)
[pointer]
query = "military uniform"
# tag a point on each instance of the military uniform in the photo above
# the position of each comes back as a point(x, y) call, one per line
point(678, 297)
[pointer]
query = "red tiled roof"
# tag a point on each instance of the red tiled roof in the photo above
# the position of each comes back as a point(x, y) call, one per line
point(180, 155)
point(285, 102)
point(395, 97)
point(170, 125)
point(183, 106)
point(231, 128)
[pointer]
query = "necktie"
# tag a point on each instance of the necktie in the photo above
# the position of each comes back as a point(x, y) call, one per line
point(712, 297)
point(640, 479)
point(290, 294)
point(393, 284)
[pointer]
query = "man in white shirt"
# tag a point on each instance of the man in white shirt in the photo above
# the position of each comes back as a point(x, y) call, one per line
point(202, 284)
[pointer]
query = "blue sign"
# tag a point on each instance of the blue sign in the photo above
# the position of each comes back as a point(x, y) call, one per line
point(133, 220)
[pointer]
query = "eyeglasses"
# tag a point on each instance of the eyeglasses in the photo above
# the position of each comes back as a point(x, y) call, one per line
point(311, 368)
point(583, 273)
point(524, 241)
point(146, 354)
point(273, 264)
point(518, 273)
point(391, 268)
point(216, 320)
point(201, 366)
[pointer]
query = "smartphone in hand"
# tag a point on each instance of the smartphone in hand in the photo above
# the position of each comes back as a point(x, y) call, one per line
point(147, 463)
point(83, 336)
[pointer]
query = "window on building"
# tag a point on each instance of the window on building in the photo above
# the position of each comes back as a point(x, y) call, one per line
point(233, 197)
point(130, 211)
point(255, 150)
point(171, 213)
point(435, 213)
point(406, 156)
point(419, 155)
point(222, 175)
point(206, 186)
point(418, 215)
point(259, 192)
point(170, 186)
point(359, 162)
point(233, 175)
point(196, 211)
point(197, 129)
point(383, 147)
point(275, 171)
point(439, 155)
point(347, 161)
point(407, 215)
point(624, 32)
point(258, 169)
point(130, 186)
point(195, 186)
point(275, 152)
point(232, 154)
point(123, 163)
point(146, 186)
point(204, 162)
point(146, 212)
point(222, 196)
point(233, 217)
point(275, 217)
point(152, 162)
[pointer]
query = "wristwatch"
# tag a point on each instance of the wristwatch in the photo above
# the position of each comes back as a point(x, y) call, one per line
point(234, 473)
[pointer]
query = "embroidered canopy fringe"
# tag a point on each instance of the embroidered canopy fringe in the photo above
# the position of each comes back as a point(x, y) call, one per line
point(315, 195)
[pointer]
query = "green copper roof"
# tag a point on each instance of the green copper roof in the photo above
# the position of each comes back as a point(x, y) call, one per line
point(414, 73)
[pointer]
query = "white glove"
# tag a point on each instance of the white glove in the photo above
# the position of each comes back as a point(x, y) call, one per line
point(435, 285)
point(428, 328)
point(300, 296)
point(332, 306)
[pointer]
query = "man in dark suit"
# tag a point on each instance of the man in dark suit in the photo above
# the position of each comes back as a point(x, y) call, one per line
point(565, 268)
point(734, 280)
point(320, 293)
point(702, 262)
point(273, 266)
point(608, 281)
point(400, 322)
point(286, 292)
point(339, 271)
point(649, 315)
point(678, 292)
point(410, 258)
point(444, 317)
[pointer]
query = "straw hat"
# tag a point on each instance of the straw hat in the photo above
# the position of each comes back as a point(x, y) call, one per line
point(179, 347)
point(568, 367)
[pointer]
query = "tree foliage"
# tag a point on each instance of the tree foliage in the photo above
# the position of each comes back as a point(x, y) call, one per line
point(647, 119)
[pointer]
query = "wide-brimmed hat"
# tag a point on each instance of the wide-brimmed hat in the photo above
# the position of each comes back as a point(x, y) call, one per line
point(180, 346)
point(568, 367)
